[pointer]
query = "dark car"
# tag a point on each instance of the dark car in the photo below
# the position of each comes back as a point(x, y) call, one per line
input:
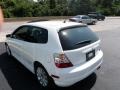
point(96, 15)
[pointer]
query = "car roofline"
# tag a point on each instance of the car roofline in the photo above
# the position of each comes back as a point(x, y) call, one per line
point(84, 25)
point(58, 29)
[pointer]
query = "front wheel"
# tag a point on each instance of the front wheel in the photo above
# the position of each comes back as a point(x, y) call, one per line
point(93, 23)
point(8, 50)
point(42, 77)
point(80, 22)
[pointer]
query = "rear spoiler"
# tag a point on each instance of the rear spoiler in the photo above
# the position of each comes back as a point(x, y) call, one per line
point(38, 20)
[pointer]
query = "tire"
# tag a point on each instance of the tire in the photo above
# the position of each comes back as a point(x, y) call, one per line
point(80, 22)
point(42, 77)
point(93, 23)
point(98, 19)
point(8, 50)
point(102, 19)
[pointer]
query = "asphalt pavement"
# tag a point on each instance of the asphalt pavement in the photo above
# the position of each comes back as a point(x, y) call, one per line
point(14, 76)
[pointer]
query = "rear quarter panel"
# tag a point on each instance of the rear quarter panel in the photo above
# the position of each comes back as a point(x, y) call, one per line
point(44, 53)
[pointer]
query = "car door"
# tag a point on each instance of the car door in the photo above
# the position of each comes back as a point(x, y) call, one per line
point(78, 18)
point(89, 20)
point(33, 46)
point(15, 42)
point(22, 46)
point(85, 19)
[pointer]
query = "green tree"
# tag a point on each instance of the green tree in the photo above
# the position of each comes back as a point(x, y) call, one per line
point(52, 4)
point(80, 6)
point(28, 8)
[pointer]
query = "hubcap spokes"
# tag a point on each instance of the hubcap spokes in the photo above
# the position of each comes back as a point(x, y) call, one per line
point(42, 77)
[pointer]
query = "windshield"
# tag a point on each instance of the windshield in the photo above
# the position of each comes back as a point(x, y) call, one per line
point(76, 37)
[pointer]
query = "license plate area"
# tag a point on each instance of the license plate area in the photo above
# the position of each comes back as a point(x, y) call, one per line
point(90, 55)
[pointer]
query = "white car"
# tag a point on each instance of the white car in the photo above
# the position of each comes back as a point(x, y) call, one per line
point(56, 51)
point(83, 19)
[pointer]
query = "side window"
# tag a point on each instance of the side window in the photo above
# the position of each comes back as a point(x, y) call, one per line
point(40, 35)
point(87, 17)
point(23, 33)
point(84, 17)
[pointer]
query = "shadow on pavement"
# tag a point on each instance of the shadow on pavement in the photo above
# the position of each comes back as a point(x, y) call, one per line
point(19, 78)
point(85, 84)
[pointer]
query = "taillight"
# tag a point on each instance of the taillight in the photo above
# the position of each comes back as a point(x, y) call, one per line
point(61, 61)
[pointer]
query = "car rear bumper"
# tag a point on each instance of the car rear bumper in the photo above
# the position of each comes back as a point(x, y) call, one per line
point(73, 75)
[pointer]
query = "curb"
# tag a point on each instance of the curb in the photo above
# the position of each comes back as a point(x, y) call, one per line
point(35, 18)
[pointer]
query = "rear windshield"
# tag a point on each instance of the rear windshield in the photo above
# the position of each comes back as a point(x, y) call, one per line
point(76, 37)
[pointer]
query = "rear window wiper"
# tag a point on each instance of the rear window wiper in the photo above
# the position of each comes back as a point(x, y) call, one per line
point(83, 42)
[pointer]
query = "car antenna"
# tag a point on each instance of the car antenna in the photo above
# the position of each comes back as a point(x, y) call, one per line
point(67, 14)
point(64, 21)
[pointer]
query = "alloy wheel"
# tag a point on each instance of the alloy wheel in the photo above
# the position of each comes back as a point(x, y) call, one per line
point(42, 76)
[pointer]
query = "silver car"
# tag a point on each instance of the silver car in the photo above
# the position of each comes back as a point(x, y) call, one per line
point(83, 19)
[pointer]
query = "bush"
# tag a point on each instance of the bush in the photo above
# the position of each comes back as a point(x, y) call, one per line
point(28, 8)
point(7, 13)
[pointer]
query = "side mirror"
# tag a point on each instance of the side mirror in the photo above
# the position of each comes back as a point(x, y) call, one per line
point(8, 35)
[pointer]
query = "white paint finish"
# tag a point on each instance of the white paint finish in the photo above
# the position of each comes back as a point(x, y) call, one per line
point(27, 53)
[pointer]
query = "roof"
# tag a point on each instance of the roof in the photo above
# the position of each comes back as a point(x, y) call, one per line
point(82, 15)
point(56, 25)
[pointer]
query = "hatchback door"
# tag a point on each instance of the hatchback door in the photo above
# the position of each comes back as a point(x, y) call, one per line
point(79, 44)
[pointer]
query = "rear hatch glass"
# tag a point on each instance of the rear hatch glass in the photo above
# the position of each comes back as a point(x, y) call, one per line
point(76, 37)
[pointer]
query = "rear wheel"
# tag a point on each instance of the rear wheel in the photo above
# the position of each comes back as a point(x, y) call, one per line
point(42, 76)
point(102, 19)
